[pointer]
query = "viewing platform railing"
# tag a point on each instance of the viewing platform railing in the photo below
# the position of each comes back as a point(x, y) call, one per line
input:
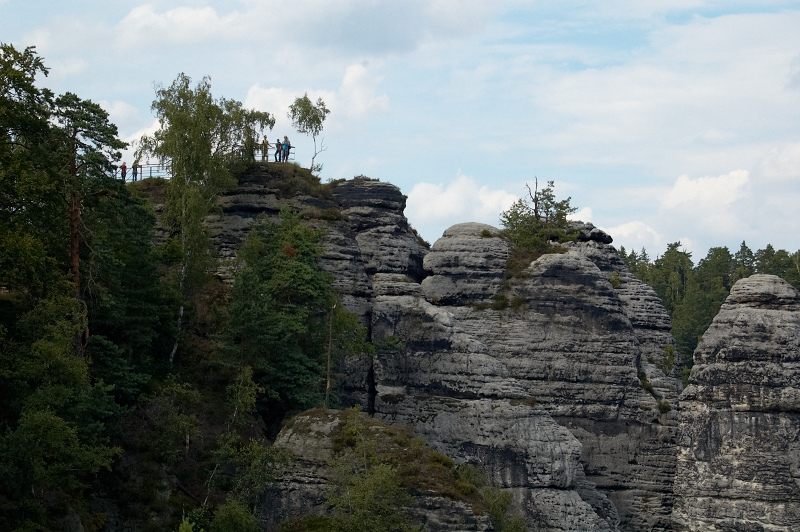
point(146, 171)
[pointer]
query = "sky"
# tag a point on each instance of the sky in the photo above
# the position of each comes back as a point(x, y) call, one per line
point(662, 120)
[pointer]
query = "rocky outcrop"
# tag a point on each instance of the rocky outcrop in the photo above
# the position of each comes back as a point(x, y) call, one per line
point(468, 265)
point(365, 230)
point(560, 383)
point(739, 461)
point(303, 487)
point(558, 339)
point(648, 317)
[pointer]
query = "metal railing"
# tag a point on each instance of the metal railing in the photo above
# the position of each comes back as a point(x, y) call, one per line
point(146, 171)
point(270, 155)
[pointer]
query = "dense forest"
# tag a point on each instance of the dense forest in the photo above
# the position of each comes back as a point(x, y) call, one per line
point(140, 391)
point(129, 373)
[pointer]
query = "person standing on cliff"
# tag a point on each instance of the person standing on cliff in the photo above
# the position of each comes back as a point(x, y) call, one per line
point(265, 146)
point(286, 147)
point(123, 170)
point(277, 150)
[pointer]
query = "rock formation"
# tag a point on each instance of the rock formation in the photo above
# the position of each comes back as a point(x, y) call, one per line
point(558, 337)
point(739, 460)
point(303, 487)
point(365, 229)
point(559, 382)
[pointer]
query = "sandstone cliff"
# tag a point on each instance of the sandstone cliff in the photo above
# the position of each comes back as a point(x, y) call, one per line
point(739, 459)
point(560, 383)
point(557, 338)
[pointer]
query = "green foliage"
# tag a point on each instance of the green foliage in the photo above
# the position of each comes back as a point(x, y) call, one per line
point(531, 227)
point(376, 468)
point(196, 137)
point(170, 412)
point(242, 393)
point(284, 316)
point(668, 362)
point(55, 440)
point(187, 526)
point(390, 343)
point(247, 466)
point(294, 180)
point(664, 407)
point(307, 118)
point(233, 516)
point(499, 301)
point(646, 384)
point(498, 504)
point(366, 492)
point(81, 302)
point(693, 294)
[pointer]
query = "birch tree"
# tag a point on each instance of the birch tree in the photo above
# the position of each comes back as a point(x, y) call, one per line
point(196, 139)
point(307, 118)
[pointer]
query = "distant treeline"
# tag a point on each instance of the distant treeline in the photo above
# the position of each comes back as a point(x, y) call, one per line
point(693, 294)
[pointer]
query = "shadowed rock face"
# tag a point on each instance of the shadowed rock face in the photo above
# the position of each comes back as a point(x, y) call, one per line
point(739, 460)
point(365, 231)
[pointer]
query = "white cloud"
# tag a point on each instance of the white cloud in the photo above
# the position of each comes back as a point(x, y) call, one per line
point(707, 192)
point(583, 215)
point(355, 98)
point(69, 67)
point(133, 141)
point(182, 25)
point(433, 207)
point(781, 163)
point(120, 113)
point(636, 235)
point(268, 98)
point(357, 93)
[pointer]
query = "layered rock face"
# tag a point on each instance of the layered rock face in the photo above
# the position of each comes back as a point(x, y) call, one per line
point(557, 339)
point(365, 229)
point(739, 460)
point(560, 383)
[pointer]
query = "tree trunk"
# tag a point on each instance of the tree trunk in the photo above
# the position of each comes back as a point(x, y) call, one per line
point(74, 241)
point(184, 266)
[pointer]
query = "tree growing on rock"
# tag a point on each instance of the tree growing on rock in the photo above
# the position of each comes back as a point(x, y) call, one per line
point(197, 135)
point(307, 118)
point(532, 225)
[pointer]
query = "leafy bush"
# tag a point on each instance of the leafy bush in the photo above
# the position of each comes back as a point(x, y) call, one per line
point(234, 516)
point(646, 384)
point(533, 227)
point(668, 362)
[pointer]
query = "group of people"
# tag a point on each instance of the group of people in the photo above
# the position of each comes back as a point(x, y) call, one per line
point(124, 170)
point(281, 149)
point(281, 154)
